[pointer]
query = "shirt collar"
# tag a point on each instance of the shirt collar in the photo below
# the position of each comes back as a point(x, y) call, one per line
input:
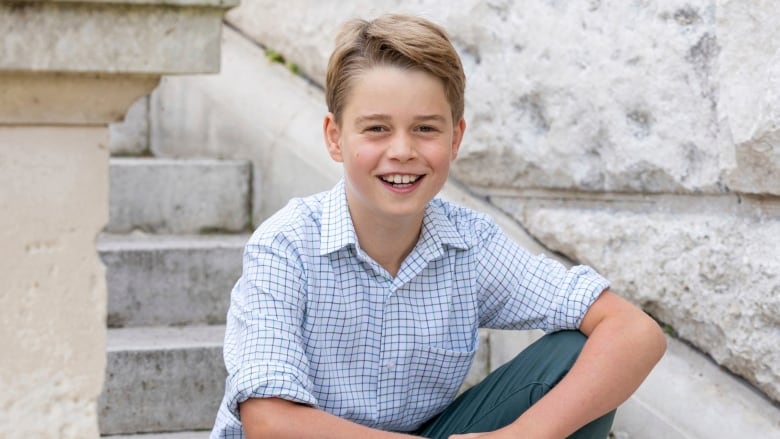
point(338, 231)
point(337, 228)
point(438, 230)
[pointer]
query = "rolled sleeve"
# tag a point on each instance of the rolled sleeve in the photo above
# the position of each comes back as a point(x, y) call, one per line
point(580, 289)
point(523, 291)
point(264, 352)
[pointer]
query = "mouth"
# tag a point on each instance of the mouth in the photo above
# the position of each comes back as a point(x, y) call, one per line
point(401, 181)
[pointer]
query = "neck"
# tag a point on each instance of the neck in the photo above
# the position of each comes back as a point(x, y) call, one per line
point(388, 243)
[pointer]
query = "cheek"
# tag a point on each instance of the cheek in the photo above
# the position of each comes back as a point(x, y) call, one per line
point(364, 157)
point(442, 157)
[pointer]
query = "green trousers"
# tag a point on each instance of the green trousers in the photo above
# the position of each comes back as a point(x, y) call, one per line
point(511, 389)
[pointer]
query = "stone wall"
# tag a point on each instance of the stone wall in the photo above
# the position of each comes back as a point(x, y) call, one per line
point(638, 137)
point(53, 298)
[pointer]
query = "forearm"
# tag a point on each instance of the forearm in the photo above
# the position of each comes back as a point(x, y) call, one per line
point(279, 419)
point(623, 345)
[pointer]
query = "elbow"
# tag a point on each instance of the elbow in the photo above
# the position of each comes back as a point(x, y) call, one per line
point(657, 342)
point(259, 417)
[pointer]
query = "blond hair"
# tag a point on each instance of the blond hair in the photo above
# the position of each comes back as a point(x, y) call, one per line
point(403, 41)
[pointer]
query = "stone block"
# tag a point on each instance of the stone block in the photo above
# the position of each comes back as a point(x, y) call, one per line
point(170, 280)
point(203, 434)
point(591, 97)
point(711, 276)
point(130, 137)
point(749, 103)
point(104, 37)
point(73, 99)
point(689, 396)
point(162, 379)
point(505, 345)
point(52, 303)
point(179, 196)
point(569, 96)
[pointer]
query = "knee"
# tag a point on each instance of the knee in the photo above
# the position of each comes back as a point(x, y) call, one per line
point(567, 340)
point(551, 357)
point(560, 343)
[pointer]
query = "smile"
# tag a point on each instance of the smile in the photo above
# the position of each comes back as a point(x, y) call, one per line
point(399, 179)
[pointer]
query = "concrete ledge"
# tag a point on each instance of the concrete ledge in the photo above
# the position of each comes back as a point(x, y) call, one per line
point(688, 396)
point(83, 99)
point(131, 136)
point(135, 37)
point(179, 196)
point(191, 3)
point(162, 379)
point(182, 435)
point(170, 280)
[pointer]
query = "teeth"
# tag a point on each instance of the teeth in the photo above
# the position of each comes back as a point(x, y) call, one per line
point(400, 179)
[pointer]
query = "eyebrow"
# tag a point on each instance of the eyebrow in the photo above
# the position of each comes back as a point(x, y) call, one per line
point(431, 117)
point(372, 118)
point(386, 118)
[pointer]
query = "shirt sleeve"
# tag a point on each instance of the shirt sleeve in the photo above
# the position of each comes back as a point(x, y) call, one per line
point(523, 291)
point(263, 348)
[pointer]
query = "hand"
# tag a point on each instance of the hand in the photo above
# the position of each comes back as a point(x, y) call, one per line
point(469, 436)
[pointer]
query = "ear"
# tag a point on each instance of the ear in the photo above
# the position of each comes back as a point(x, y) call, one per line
point(332, 134)
point(457, 136)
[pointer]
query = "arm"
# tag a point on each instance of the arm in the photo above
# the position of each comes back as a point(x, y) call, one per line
point(279, 419)
point(623, 345)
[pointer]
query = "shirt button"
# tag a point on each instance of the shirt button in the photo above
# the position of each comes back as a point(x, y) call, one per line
point(389, 364)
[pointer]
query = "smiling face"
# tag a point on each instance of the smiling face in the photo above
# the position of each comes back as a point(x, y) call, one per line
point(396, 139)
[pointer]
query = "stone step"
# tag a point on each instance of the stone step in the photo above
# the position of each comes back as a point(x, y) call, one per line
point(162, 379)
point(171, 196)
point(203, 434)
point(161, 280)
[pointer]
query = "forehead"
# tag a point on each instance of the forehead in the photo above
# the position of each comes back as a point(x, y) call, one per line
point(390, 90)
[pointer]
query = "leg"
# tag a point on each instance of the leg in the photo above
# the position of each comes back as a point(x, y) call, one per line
point(511, 389)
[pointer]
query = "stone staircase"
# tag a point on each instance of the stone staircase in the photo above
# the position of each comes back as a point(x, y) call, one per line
point(172, 251)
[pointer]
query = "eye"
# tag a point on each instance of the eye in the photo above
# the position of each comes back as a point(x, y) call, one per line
point(427, 129)
point(376, 129)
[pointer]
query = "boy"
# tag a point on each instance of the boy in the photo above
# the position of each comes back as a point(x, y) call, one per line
point(357, 312)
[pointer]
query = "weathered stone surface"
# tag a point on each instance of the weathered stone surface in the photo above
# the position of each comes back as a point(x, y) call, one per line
point(52, 302)
point(202, 434)
point(713, 278)
point(505, 345)
point(561, 95)
point(104, 37)
point(131, 136)
point(73, 99)
point(170, 280)
point(162, 379)
point(749, 103)
point(179, 196)
point(688, 396)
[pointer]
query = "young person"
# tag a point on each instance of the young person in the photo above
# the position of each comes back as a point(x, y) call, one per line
point(357, 312)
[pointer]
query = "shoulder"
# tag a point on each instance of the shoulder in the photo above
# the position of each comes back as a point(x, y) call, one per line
point(297, 224)
point(472, 226)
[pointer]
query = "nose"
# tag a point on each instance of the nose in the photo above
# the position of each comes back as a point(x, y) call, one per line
point(401, 148)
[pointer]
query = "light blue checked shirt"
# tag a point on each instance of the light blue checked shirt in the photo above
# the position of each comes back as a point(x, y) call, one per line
point(313, 319)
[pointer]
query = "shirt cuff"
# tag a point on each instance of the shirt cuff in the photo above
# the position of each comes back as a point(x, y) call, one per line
point(277, 386)
point(586, 285)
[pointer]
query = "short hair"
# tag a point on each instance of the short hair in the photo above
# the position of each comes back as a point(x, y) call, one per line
point(404, 41)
